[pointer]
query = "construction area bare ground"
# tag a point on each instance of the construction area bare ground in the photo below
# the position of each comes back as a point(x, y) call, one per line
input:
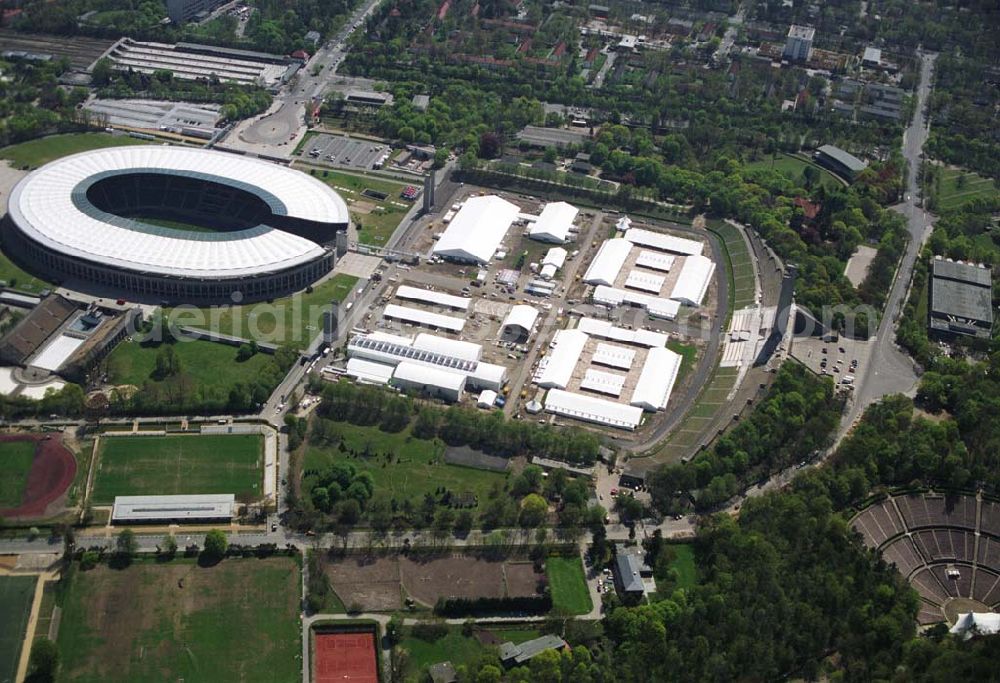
point(378, 584)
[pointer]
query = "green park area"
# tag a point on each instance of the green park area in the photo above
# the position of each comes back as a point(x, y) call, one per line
point(568, 585)
point(236, 621)
point(206, 372)
point(35, 153)
point(794, 166)
point(291, 321)
point(376, 219)
point(402, 466)
point(15, 463)
point(16, 278)
point(689, 353)
point(953, 187)
point(16, 594)
point(178, 464)
point(448, 643)
point(683, 563)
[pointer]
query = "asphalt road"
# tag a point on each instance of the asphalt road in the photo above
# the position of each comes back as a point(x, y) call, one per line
point(890, 369)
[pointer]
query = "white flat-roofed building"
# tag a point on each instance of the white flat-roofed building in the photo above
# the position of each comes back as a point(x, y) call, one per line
point(655, 306)
point(56, 352)
point(658, 240)
point(648, 282)
point(418, 316)
point(554, 223)
point(429, 380)
point(655, 261)
point(602, 382)
point(799, 43)
point(520, 320)
point(695, 276)
point(368, 372)
point(656, 382)
point(449, 347)
point(613, 356)
point(562, 358)
point(592, 409)
point(608, 262)
point(216, 507)
point(605, 329)
point(477, 230)
point(486, 399)
point(430, 296)
point(554, 259)
point(382, 349)
point(379, 335)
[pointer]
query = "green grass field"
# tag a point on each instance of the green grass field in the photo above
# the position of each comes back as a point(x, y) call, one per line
point(17, 278)
point(419, 469)
point(956, 186)
point(16, 594)
point(792, 167)
point(293, 320)
point(683, 564)
point(376, 226)
point(35, 153)
point(15, 462)
point(155, 465)
point(212, 367)
point(454, 647)
point(237, 621)
point(689, 352)
point(568, 585)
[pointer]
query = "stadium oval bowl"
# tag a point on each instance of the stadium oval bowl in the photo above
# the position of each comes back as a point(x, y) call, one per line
point(175, 224)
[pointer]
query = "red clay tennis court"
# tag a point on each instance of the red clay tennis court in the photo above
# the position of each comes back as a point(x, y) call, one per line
point(345, 657)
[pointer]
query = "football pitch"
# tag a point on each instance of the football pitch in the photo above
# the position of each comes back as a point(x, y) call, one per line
point(16, 593)
point(178, 464)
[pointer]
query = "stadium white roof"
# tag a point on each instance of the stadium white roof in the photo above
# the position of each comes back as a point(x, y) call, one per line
point(162, 508)
point(602, 382)
point(656, 382)
point(553, 223)
point(655, 306)
point(613, 356)
point(556, 256)
point(607, 330)
point(449, 347)
point(43, 207)
point(654, 260)
point(56, 352)
point(521, 315)
point(420, 375)
point(592, 409)
point(422, 317)
point(658, 240)
point(560, 361)
point(430, 296)
point(367, 371)
point(692, 284)
point(608, 262)
point(649, 282)
point(477, 229)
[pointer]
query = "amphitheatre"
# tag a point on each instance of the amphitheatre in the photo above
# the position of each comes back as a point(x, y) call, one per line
point(948, 548)
point(174, 224)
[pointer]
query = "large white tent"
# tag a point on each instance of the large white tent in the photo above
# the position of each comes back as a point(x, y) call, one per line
point(559, 363)
point(419, 316)
point(426, 379)
point(520, 320)
point(656, 382)
point(431, 296)
point(592, 409)
point(693, 281)
point(658, 240)
point(553, 223)
point(655, 306)
point(605, 329)
point(608, 262)
point(477, 230)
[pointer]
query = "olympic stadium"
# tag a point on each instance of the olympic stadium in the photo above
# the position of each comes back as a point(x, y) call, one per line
point(174, 224)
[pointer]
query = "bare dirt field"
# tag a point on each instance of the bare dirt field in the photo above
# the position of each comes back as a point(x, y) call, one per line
point(375, 584)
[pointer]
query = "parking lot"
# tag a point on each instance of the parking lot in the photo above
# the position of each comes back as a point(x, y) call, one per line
point(842, 359)
point(341, 150)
